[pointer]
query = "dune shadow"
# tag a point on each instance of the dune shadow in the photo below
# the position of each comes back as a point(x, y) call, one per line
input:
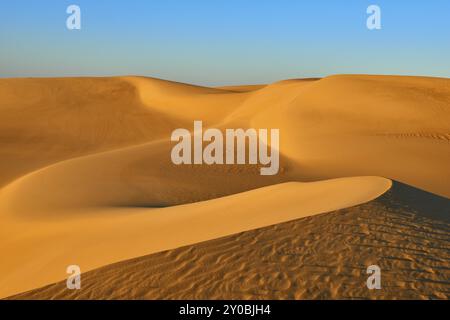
point(423, 203)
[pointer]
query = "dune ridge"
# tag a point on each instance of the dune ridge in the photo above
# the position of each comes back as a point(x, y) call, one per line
point(94, 236)
point(86, 172)
point(319, 257)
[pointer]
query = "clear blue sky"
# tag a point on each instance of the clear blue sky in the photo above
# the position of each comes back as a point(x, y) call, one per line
point(215, 42)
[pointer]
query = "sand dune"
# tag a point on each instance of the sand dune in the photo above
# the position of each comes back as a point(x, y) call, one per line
point(51, 239)
point(44, 121)
point(319, 257)
point(366, 125)
point(86, 176)
point(243, 88)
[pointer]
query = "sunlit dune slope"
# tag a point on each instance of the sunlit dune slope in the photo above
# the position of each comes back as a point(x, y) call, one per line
point(243, 88)
point(332, 127)
point(404, 232)
point(396, 127)
point(43, 121)
point(92, 237)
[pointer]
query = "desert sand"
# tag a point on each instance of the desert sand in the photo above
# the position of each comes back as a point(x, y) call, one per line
point(86, 179)
point(317, 257)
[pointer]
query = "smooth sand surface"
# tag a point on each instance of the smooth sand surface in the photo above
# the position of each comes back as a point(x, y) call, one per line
point(86, 176)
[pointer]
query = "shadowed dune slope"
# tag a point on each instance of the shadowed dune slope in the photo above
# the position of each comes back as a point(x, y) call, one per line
point(318, 257)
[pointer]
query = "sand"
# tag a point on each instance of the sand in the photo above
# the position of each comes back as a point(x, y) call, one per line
point(86, 176)
point(318, 257)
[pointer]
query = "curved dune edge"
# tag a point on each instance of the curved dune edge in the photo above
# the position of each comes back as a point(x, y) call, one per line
point(333, 127)
point(320, 257)
point(98, 237)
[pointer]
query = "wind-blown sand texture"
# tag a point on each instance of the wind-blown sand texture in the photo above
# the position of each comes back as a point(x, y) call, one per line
point(320, 257)
point(86, 178)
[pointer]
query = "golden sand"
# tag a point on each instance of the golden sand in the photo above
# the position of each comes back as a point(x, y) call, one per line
point(86, 176)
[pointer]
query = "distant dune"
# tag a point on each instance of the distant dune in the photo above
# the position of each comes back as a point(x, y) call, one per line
point(86, 176)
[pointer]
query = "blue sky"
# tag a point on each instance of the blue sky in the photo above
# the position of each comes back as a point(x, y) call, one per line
point(216, 42)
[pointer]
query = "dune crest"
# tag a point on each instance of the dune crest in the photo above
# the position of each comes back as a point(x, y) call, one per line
point(404, 231)
point(93, 237)
point(86, 175)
